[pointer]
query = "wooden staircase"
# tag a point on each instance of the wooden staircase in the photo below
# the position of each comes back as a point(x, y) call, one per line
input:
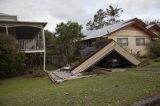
point(55, 78)
point(59, 76)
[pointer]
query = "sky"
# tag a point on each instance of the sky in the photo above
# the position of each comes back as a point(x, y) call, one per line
point(55, 11)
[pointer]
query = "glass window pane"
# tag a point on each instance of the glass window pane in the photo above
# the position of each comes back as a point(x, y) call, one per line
point(122, 41)
point(140, 41)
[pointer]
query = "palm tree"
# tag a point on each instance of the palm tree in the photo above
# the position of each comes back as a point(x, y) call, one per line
point(113, 13)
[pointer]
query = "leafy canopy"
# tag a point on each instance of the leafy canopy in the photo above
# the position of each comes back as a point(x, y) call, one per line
point(154, 49)
point(103, 18)
point(51, 43)
point(68, 36)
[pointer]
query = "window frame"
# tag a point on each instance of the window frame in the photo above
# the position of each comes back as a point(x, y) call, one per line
point(122, 44)
point(140, 44)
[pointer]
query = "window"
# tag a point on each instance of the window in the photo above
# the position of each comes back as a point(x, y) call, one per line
point(122, 41)
point(140, 41)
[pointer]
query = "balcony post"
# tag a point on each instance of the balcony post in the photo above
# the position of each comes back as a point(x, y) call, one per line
point(44, 47)
point(7, 31)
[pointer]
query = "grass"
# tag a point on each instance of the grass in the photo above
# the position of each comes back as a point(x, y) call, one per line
point(122, 88)
point(154, 64)
point(51, 67)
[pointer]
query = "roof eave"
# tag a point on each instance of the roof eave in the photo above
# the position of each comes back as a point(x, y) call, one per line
point(25, 22)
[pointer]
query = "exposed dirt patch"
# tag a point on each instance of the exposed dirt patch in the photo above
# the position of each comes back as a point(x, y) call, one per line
point(35, 74)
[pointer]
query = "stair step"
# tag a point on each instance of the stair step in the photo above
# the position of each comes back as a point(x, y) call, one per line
point(54, 78)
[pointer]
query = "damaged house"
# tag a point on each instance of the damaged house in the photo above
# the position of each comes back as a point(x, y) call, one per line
point(28, 35)
point(121, 43)
point(114, 46)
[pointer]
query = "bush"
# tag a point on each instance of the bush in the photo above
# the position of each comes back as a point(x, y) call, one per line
point(11, 59)
point(144, 62)
point(35, 74)
point(154, 49)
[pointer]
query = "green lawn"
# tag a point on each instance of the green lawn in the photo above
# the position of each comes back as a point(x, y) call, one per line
point(122, 88)
point(154, 64)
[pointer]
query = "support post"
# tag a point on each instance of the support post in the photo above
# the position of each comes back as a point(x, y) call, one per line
point(7, 31)
point(44, 53)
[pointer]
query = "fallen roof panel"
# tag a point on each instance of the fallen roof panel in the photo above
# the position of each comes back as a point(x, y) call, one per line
point(101, 53)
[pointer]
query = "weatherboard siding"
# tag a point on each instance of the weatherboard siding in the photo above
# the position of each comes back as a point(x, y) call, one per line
point(132, 33)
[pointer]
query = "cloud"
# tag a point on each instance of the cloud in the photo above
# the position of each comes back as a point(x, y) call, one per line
point(144, 9)
point(56, 11)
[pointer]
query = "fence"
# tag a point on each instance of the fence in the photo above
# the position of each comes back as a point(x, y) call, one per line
point(56, 60)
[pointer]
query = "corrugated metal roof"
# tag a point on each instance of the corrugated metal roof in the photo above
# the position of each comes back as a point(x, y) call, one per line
point(104, 31)
point(3, 14)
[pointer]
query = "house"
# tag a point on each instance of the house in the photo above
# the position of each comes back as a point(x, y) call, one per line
point(132, 34)
point(100, 59)
point(29, 35)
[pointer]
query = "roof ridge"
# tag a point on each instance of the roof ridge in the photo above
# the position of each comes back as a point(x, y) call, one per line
point(4, 14)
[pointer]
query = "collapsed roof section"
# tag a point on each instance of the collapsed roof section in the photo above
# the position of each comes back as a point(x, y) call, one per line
point(102, 53)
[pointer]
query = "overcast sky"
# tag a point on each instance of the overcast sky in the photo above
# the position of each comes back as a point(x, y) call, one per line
point(56, 11)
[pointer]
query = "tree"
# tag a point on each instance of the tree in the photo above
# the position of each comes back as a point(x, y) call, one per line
point(154, 49)
point(68, 36)
point(103, 18)
point(153, 22)
point(113, 14)
point(11, 59)
point(51, 43)
point(98, 21)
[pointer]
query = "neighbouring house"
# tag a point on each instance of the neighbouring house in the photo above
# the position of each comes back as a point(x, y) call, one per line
point(29, 35)
point(133, 35)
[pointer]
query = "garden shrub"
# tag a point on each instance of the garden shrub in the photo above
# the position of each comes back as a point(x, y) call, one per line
point(35, 74)
point(154, 49)
point(11, 59)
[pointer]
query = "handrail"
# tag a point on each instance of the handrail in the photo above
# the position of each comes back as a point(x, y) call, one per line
point(30, 44)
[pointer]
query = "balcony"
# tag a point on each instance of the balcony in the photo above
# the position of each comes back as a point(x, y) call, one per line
point(30, 45)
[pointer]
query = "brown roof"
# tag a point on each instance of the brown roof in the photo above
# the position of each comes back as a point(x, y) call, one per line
point(153, 26)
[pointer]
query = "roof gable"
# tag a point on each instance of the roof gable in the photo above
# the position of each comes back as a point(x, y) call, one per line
point(139, 26)
point(153, 26)
point(108, 30)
